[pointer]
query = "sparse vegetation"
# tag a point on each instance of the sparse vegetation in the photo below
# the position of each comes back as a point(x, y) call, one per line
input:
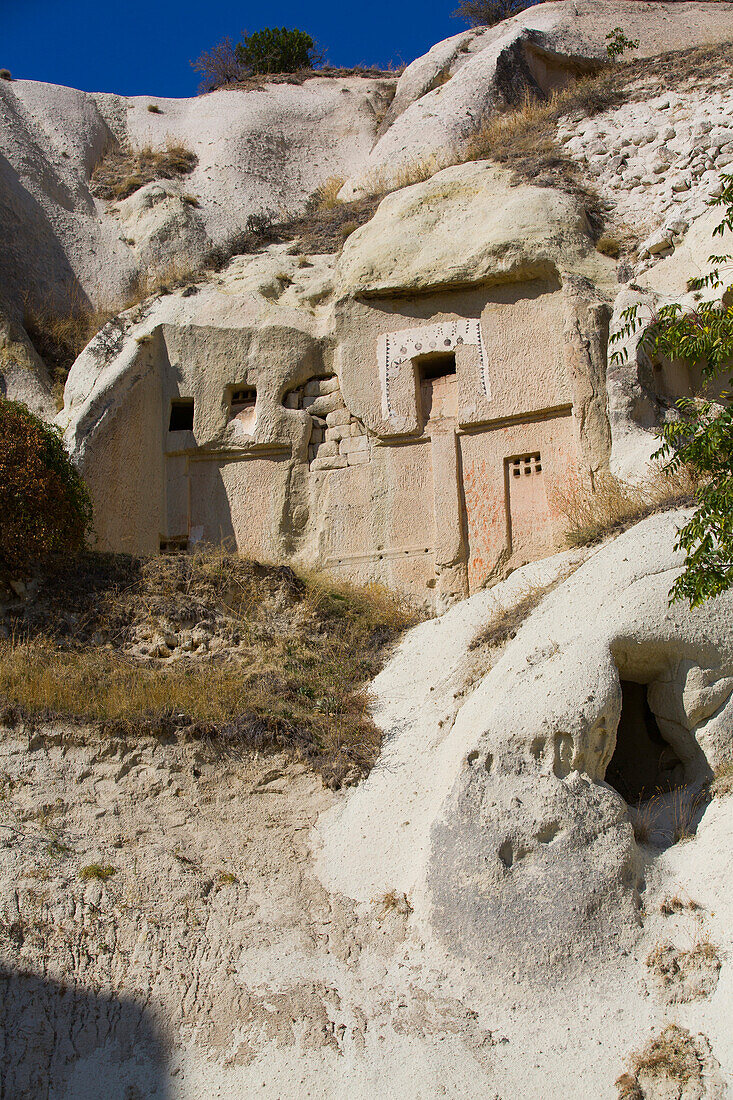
point(611, 505)
point(5, 74)
point(394, 902)
point(670, 815)
point(286, 668)
point(123, 170)
point(59, 335)
point(44, 504)
point(96, 872)
point(322, 228)
point(326, 197)
point(670, 1057)
point(722, 783)
point(506, 621)
point(486, 13)
point(677, 904)
point(618, 43)
point(154, 109)
point(685, 975)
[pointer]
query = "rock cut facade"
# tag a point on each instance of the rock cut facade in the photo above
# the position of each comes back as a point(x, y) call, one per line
point(415, 435)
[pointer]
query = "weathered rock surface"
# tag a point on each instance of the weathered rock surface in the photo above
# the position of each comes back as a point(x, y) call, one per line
point(210, 953)
point(23, 375)
point(468, 225)
point(445, 96)
point(259, 150)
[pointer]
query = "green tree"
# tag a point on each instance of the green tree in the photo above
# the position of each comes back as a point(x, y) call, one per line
point(702, 437)
point(276, 50)
point(44, 504)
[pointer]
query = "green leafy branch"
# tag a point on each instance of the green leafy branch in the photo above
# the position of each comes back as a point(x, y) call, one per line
point(702, 437)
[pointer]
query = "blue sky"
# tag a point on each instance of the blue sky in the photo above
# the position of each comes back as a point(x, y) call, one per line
point(138, 47)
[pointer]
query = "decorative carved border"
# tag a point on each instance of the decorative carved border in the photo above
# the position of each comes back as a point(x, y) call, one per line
point(396, 348)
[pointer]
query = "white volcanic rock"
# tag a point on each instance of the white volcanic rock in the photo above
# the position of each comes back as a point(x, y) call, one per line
point(259, 150)
point(500, 827)
point(542, 47)
point(641, 395)
point(466, 225)
point(23, 376)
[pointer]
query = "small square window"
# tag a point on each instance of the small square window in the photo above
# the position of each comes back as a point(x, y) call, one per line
point(241, 399)
point(527, 464)
point(181, 415)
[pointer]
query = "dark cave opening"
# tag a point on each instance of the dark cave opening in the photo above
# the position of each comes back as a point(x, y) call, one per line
point(643, 763)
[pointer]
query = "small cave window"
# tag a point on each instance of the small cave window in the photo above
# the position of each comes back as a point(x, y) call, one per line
point(643, 763)
point(243, 398)
point(181, 419)
point(437, 366)
point(526, 465)
point(436, 386)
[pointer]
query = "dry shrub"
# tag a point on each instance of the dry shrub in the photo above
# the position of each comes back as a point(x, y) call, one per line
point(44, 505)
point(123, 170)
point(672, 1055)
point(288, 672)
point(722, 783)
point(611, 504)
point(59, 334)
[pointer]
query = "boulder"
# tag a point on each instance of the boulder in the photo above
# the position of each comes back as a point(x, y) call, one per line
point(467, 225)
point(532, 862)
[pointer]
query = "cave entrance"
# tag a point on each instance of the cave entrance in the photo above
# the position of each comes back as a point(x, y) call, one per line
point(643, 763)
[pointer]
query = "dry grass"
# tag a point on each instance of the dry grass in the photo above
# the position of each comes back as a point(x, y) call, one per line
point(288, 672)
point(672, 816)
point(671, 1055)
point(321, 228)
point(326, 197)
point(722, 783)
point(675, 903)
point(123, 170)
point(393, 902)
point(506, 621)
point(384, 180)
point(612, 505)
point(703, 951)
point(59, 335)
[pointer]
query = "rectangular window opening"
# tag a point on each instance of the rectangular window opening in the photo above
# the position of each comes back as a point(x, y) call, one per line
point(181, 415)
point(437, 366)
point(244, 397)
